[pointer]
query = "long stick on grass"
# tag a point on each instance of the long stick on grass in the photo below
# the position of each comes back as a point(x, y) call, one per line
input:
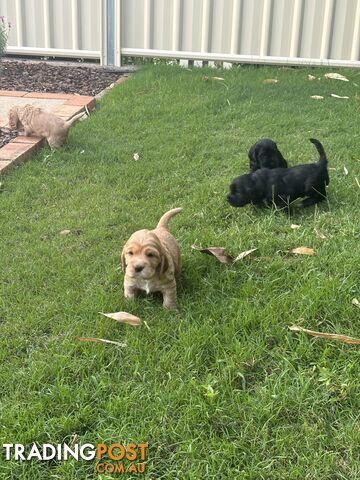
point(328, 336)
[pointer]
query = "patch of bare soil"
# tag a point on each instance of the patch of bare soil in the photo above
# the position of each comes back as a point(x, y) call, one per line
point(6, 135)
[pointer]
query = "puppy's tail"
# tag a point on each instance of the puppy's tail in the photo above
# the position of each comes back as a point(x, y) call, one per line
point(72, 120)
point(164, 220)
point(322, 160)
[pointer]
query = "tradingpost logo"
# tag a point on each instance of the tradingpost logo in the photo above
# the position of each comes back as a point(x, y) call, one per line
point(113, 458)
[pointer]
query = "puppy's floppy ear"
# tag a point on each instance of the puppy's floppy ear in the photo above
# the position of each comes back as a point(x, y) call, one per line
point(164, 262)
point(252, 188)
point(123, 261)
point(13, 118)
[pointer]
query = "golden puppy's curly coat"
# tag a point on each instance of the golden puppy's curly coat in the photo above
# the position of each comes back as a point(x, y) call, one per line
point(150, 260)
point(41, 123)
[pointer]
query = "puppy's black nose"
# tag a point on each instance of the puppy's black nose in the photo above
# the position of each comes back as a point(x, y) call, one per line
point(139, 268)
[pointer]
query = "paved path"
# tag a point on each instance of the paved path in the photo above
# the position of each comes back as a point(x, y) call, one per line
point(19, 149)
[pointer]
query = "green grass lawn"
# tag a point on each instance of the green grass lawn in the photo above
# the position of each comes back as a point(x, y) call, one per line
point(220, 389)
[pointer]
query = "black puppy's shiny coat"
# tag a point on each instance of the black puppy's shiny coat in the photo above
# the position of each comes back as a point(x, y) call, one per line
point(265, 154)
point(281, 186)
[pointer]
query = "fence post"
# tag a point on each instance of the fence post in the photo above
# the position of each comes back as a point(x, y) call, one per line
point(111, 32)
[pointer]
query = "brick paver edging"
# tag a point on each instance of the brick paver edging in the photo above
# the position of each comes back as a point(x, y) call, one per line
point(21, 147)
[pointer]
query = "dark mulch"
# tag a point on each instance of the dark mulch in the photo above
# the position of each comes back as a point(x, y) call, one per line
point(6, 135)
point(48, 77)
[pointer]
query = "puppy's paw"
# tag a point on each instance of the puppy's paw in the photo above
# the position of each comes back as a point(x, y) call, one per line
point(172, 307)
point(129, 293)
point(169, 303)
point(169, 297)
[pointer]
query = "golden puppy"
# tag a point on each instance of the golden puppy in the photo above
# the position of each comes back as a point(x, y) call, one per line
point(41, 123)
point(150, 259)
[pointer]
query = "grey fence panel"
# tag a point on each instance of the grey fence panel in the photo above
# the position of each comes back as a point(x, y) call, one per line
point(54, 27)
point(255, 31)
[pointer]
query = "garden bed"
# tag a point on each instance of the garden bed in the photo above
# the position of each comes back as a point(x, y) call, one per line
point(36, 76)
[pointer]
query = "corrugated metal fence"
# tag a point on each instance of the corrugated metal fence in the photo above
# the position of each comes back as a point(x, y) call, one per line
point(296, 32)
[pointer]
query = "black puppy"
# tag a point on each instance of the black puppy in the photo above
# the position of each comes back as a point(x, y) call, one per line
point(265, 154)
point(281, 186)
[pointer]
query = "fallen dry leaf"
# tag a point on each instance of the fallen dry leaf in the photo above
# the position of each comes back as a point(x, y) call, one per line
point(269, 81)
point(218, 78)
point(123, 317)
point(294, 226)
point(336, 76)
point(101, 340)
point(217, 252)
point(67, 232)
point(338, 96)
point(328, 336)
point(244, 254)
point(319, 234)
point(346, 171)
point(302, 250)
point(317, 97)
point(355, 302)
point(311, 77)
